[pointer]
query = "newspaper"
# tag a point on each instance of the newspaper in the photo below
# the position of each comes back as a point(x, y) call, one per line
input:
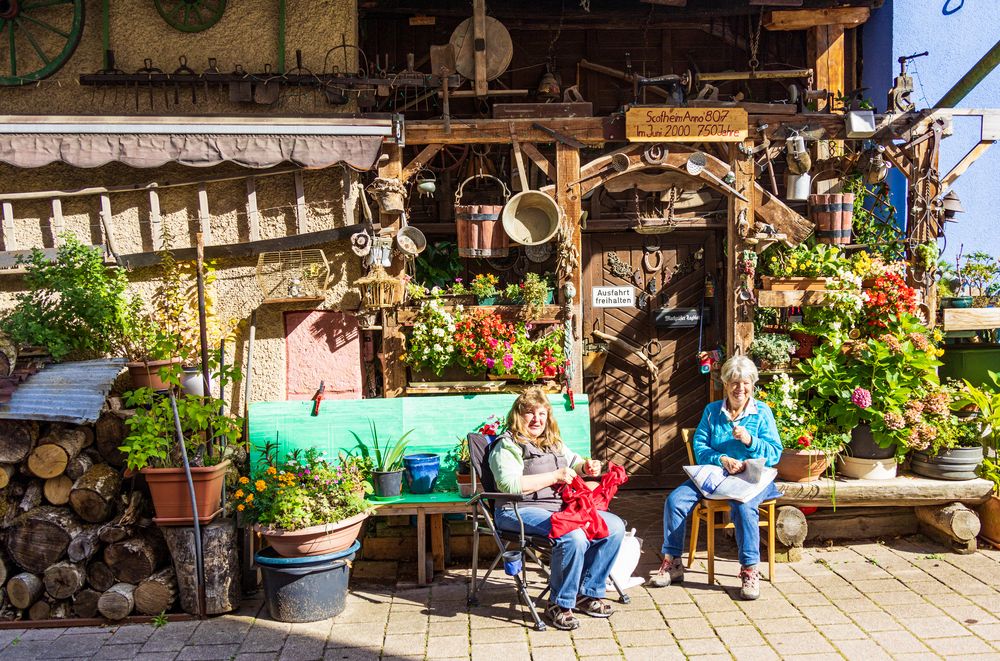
point(715, 483)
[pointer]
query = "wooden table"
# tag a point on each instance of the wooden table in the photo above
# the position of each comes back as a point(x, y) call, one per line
point(434, 506)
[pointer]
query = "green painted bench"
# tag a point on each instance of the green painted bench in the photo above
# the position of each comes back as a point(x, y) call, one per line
point(438, 423)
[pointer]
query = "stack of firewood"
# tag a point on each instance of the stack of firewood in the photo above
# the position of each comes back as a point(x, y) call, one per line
point(78, 542)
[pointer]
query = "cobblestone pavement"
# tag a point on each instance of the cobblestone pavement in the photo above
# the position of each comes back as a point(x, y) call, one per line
point(906, 598)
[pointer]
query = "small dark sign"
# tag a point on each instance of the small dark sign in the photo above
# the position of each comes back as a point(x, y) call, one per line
point(680, 317)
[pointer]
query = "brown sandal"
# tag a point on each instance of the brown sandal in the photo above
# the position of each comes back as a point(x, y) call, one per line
point(594, 607)
point(561, 619)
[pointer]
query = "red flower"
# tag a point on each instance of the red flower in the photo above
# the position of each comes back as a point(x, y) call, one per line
point(805, 441)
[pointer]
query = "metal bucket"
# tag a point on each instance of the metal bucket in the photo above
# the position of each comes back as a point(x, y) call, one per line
point(480, 229)
point(531, 218)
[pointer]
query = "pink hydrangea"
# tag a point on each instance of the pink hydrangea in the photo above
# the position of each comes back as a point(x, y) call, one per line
point(862, 398)
point(936, 403)
point(893, 421)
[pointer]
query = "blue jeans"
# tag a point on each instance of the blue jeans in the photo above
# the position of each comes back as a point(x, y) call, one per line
point(580, 566)
point(745, 518)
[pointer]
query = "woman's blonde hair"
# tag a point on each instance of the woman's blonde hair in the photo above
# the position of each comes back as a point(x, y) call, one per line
point(528, 401)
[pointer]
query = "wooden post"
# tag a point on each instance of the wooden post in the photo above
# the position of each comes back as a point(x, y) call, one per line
point(826, 51)
point(253, 215)
point(155, 221)
point(568, 198)
point(479, 45)
point(393, 369)
point(739, 330)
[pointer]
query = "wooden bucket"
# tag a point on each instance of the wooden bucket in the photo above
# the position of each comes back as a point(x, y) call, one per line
point(479, 226)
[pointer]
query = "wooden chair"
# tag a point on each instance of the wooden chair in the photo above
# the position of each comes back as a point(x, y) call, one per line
point(708, 510)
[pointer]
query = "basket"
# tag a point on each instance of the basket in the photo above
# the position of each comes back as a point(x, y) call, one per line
point(479, 226)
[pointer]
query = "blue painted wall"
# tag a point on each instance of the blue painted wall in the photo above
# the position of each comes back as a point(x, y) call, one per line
point(957, 33)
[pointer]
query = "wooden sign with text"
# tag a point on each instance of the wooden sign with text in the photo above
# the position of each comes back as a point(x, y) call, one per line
point(686, 124)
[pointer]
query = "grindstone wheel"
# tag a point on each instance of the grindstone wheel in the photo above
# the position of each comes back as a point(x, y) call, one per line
point(190, 15)
point(37, 37)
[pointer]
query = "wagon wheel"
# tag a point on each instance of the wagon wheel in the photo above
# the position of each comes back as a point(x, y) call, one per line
point(190, 15)
point(37, 37)
point(449, 159)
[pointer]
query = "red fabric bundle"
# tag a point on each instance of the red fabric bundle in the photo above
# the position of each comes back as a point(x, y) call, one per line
point(582, 504)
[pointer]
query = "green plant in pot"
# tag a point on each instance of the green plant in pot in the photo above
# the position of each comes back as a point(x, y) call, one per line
point(305, 505)
point(459, 455)
point(772, 350)
point(978, 273)
point(387, 461)
point(985, 401)
point(151, 448)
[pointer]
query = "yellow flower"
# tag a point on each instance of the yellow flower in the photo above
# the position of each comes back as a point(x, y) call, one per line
point(249, 497)
point(238, 494)
point(244, 480)
point(261, 485)
point(271, 470)
point(940, 352)
point(240, 508)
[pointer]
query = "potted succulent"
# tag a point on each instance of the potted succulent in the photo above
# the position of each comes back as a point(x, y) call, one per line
point(151, 448)
point(772, 351)
point(305, 506)
point(387, 462)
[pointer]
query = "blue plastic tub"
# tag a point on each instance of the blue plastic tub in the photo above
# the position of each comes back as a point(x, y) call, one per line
point(306, 589)
point(422, 471)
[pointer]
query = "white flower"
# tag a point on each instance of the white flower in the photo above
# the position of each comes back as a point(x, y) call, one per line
point(437, 347)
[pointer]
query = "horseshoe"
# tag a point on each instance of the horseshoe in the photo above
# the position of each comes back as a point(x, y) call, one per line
point(646, 261)
point(655, 154)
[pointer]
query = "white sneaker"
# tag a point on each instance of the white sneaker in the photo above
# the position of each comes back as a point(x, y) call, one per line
point(671, 571)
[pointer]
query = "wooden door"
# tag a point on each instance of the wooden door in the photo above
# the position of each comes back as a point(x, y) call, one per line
point(637, 418)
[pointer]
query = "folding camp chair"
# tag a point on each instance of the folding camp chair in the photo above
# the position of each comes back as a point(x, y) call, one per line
point(534, 547)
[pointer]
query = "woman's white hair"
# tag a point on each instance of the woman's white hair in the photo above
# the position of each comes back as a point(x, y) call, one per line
point(739, 368)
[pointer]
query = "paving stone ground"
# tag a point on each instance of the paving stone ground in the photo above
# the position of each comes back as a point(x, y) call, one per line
point(905, 598)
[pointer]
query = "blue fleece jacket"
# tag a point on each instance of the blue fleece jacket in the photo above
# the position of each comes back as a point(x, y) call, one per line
point(714, 436)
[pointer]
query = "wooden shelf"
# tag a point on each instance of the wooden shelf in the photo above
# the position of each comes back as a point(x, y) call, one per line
point(550, 313)
point(789, 299)
point(966, 319)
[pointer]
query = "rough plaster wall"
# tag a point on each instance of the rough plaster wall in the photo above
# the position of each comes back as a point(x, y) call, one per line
point(247, 34)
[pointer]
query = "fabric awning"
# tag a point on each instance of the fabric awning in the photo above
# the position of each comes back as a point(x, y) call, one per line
point(141, 142)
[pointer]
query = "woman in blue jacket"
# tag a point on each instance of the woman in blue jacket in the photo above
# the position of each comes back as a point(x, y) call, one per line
point(732, 430)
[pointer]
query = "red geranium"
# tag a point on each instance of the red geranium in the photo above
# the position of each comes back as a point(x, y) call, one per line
point(477, 338)
point(805, 441)
point(889, 296)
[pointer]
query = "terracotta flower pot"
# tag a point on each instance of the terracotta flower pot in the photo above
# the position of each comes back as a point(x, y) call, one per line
point(171, 497)
point(146, 374)
point(464, 481)
point(314, 540)
point(802, 465)
point(989, 517)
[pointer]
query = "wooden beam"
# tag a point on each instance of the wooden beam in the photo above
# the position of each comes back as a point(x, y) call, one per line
point(246, 249)
point(7, 226)
point(204, 218)
point(905, 490)
point(785, 220)
point(420, 161)
point(568, 198)
point(803, 19)
point(393, 368)
point(155, 220)
point(789, 299)
point(960, 319)
point(963, 165)
point(300, 203)
point(479, 45)
point(589, 130)
point(58, 222)
point(739, 327)
point(108, 225)
point(539, 160)
point(826, 51)
point(253, 214)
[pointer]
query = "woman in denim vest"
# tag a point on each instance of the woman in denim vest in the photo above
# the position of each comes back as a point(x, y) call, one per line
point(531, 459)
point(732, 430)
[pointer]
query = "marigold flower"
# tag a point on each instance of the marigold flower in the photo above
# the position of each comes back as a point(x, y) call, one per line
point(240, 508)
point(249, 497)
point(244, 480)
point(271, 470)
point(261, 485)
point(861, 398)
point(238, 494)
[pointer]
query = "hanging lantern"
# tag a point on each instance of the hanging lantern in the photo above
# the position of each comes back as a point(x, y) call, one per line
point(380, 290)
point(951, 205)
point(548, 86)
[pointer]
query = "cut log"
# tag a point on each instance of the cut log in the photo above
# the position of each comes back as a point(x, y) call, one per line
point(111, 533)
point(110, 431)
point(88, 433)
point(99, 576)
point(122, 527)
point(85, 603)
point(24, 590)
point(135, 559)
point(40, 610)
point(7, 472)
point(32, 496)
point(157, 593)
point(117, 603)
point(790, 527)
point(222, 568)
point(862, 523)
point(4, 569)
point(56, 489)
point(955, 524)
point(93, 495)
point(64, 579)
point(17, 440)
point(85, 545)
point(53, 452)
point(41, 537)
point(79, 465)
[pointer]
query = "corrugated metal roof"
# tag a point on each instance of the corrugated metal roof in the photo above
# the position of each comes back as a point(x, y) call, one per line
point(64, 392)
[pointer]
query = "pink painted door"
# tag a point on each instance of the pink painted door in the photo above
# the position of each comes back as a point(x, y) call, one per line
point(323, 346)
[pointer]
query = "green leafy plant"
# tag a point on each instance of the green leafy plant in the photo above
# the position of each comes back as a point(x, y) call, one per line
point(819, 260)
point(152, 442)
point(484, 285)
point(773, 348)
point(305, 490)
point(431, 343)
point(74, 306)
point(977, 272)
point(534, 293)
point(388, 455)
point(438, 265)
point(986, 401)
point(159, 621)
point(874, 222)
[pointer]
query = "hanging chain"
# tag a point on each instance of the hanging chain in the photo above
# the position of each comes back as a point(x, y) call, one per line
point(550, 59)
point(755, 42)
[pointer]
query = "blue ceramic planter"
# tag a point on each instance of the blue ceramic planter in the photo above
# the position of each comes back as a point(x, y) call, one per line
point(422, 471)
